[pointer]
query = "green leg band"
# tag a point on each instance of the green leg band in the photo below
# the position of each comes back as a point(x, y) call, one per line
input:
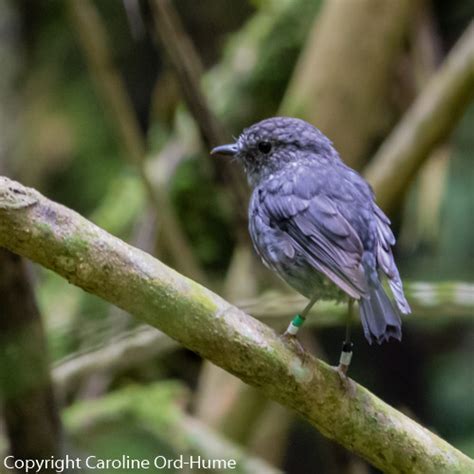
point(295, 324)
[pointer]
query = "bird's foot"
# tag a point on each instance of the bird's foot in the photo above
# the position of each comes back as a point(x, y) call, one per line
point(348, 385)
point(344, 363)
point(292, 340)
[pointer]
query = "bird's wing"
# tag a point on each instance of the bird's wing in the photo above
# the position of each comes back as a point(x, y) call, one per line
point(321, 233)
point(385, 241)
point(386, 261)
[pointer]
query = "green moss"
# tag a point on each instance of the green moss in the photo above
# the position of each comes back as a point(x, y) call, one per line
point(201, 299)
point(76, 244)
point(44, 228)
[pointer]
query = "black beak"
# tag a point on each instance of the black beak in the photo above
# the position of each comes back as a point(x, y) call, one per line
point(230, 149)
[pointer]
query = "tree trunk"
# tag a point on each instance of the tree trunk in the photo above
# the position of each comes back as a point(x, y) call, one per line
point(26, 392)
point(342, 80)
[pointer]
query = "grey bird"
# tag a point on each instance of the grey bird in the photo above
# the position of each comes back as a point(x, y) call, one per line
point(314, 221)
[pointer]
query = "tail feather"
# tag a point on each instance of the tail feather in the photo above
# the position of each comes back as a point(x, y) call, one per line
point(379, 317)
point(397, 290)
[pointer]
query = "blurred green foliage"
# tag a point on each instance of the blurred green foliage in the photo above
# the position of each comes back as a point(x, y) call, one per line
point(206, 219)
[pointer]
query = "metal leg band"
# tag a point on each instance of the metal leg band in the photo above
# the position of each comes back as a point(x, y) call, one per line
point(346, 354)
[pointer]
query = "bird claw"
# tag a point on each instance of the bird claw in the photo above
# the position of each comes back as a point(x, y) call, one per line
point(292, 340)
point(348, 385)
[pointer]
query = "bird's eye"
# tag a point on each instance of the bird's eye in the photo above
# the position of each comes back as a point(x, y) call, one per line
point(264, 147)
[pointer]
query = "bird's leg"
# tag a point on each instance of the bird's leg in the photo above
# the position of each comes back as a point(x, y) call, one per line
point(346, 353)
point(299, 319)
point(296, 323)
point(347, 345)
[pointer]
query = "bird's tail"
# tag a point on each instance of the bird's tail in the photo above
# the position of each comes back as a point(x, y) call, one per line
point(379, 317)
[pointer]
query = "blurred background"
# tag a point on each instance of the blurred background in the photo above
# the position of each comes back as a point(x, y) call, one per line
point(110, 107)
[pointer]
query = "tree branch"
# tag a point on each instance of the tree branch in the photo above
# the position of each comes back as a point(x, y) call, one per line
point(60, 239)
point(428, 122)
point(130, 350)
point(427, 300)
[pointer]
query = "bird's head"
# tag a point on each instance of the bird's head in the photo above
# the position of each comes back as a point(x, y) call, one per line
point(275, 143)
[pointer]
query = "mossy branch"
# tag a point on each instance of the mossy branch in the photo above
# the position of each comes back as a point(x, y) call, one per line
point(60, 239)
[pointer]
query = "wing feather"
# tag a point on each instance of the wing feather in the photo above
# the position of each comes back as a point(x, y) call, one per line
point(322, 234)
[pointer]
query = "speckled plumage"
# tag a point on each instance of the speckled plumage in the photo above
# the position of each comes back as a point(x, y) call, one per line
point(313, 220)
